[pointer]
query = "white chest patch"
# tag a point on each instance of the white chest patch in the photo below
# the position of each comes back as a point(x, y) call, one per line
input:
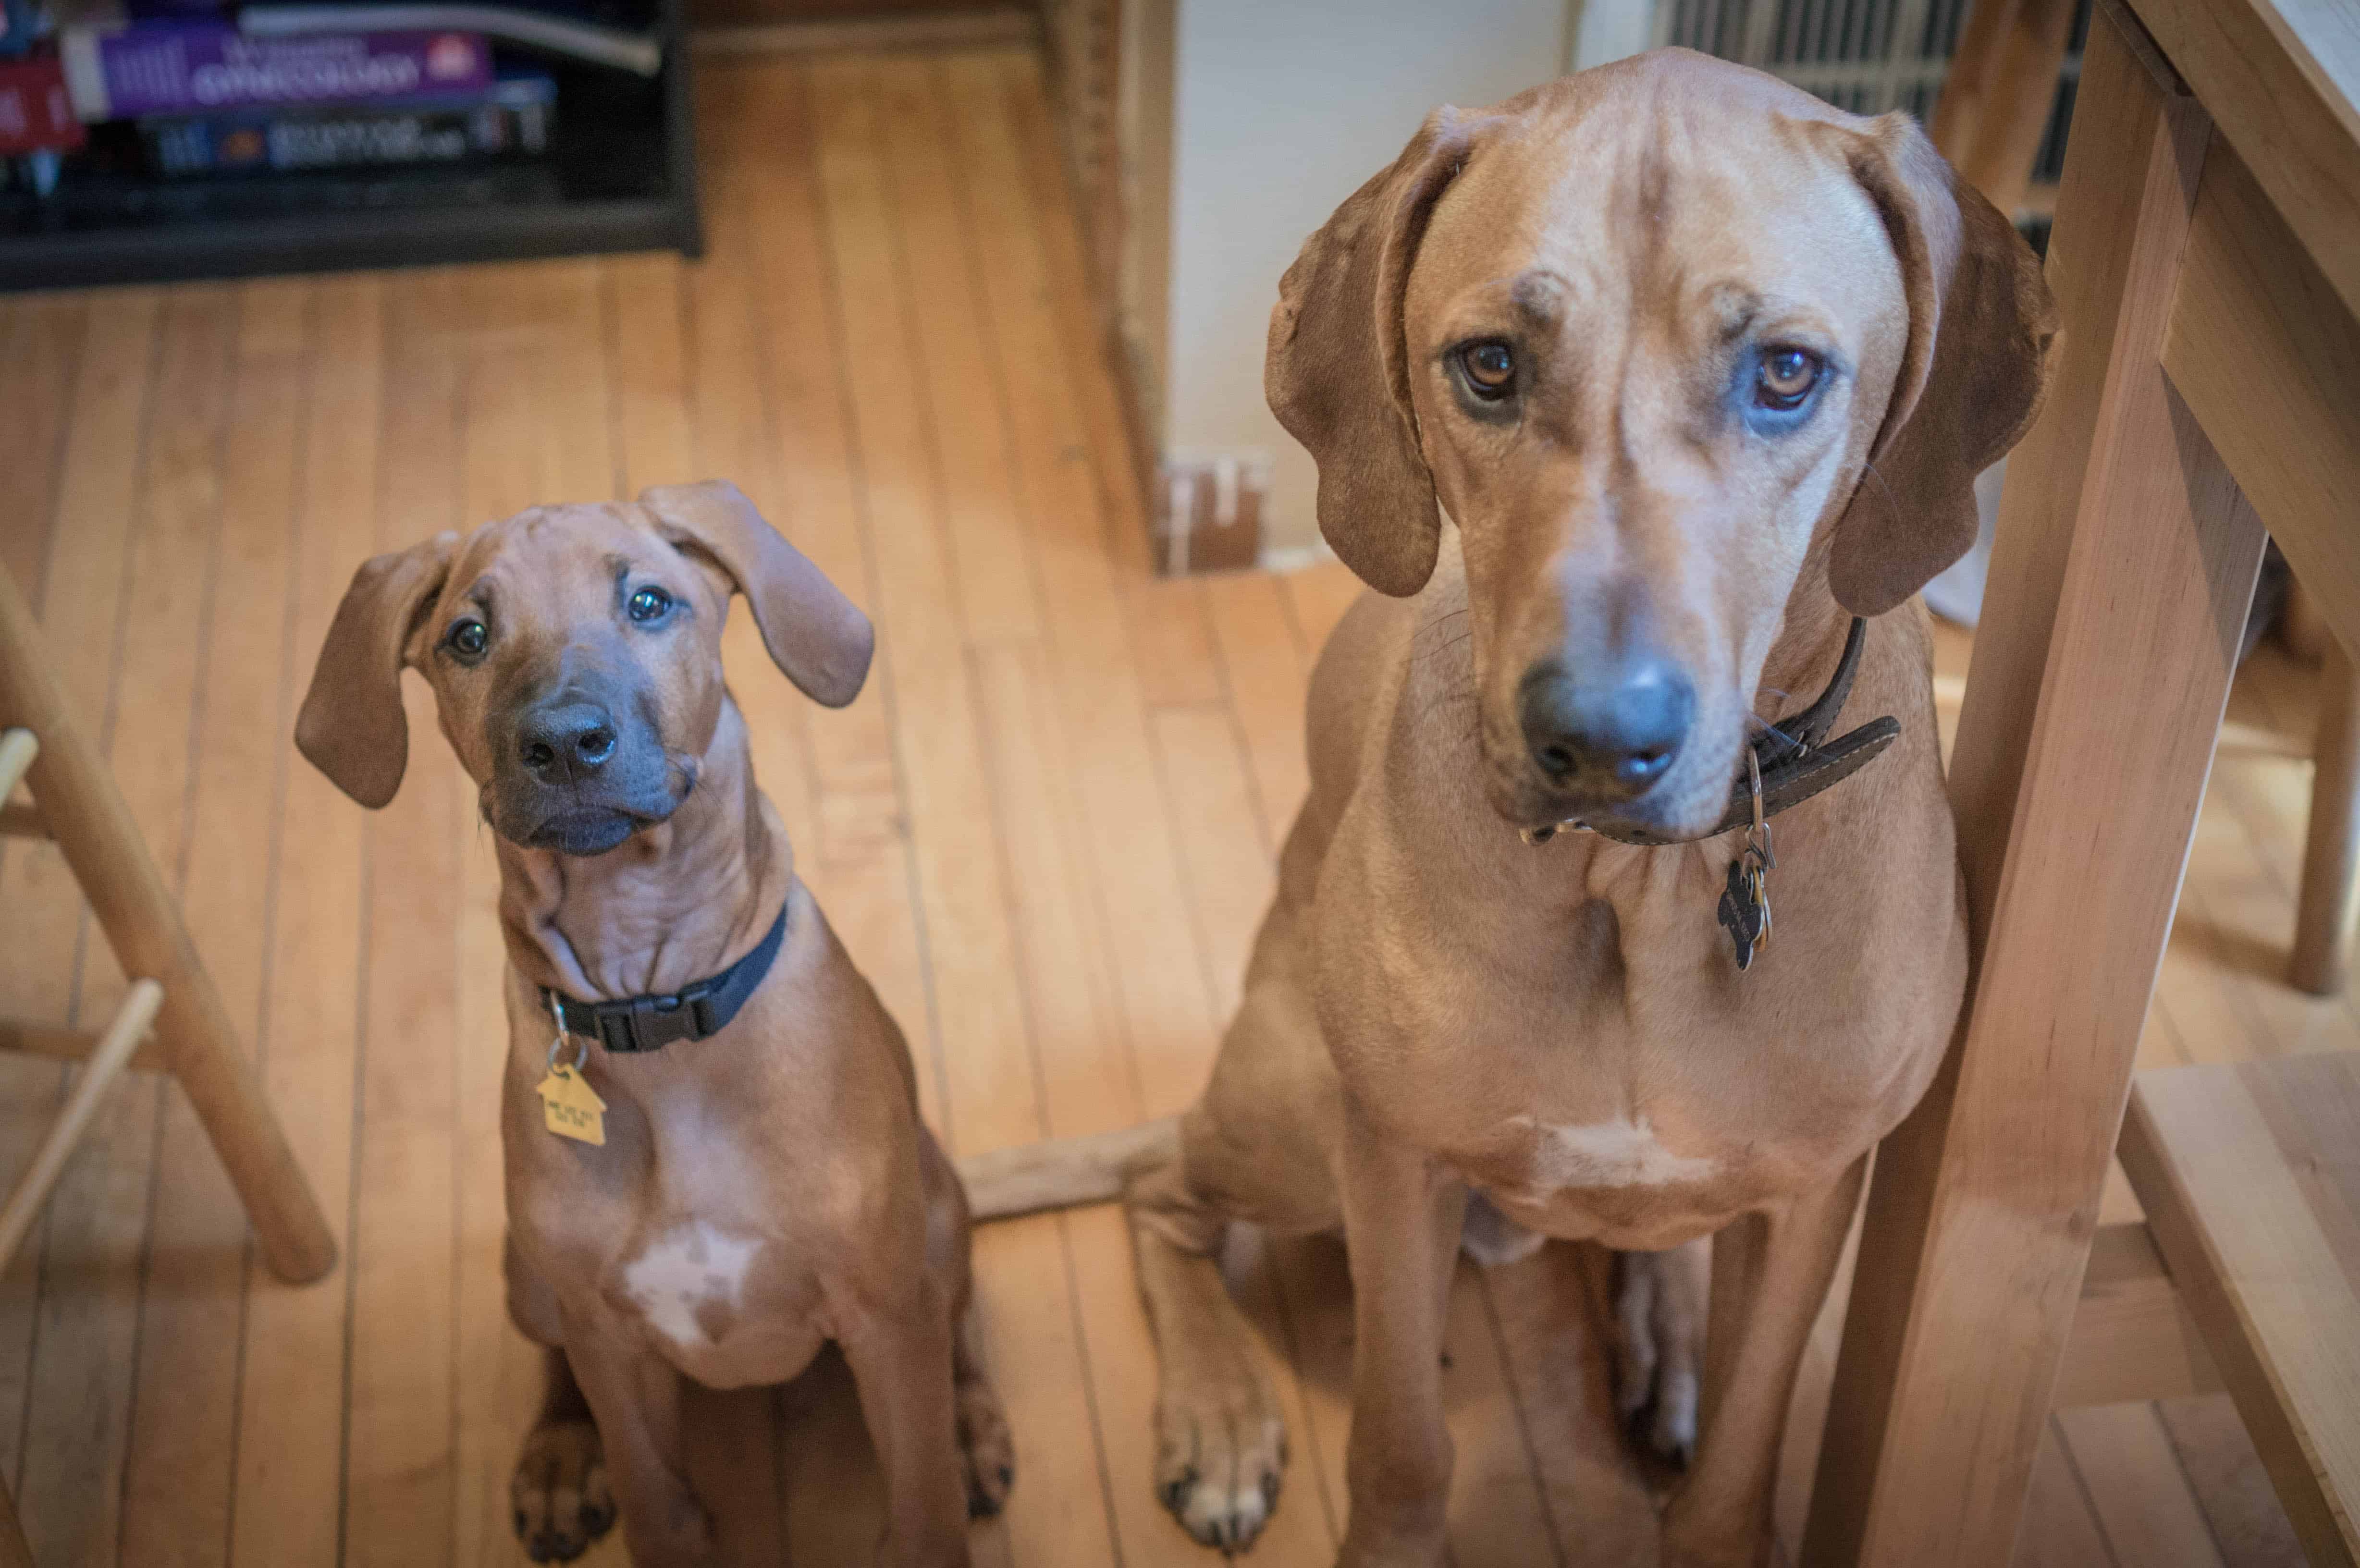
point(687, 1267)
point(1607, 1154)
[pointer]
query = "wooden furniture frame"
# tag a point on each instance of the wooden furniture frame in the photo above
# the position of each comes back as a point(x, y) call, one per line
point(75, 803)
point(2207, 267)
point(2250, 1177)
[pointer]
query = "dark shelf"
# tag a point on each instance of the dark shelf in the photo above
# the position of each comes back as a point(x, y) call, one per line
point(620, 174)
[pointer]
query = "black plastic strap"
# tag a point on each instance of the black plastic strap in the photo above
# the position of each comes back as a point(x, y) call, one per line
point(650, 1023)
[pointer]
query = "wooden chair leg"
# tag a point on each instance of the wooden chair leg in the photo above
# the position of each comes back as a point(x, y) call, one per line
point(2328, 907)
point(1995, 100)
point(98, 1075)
point(103, 846)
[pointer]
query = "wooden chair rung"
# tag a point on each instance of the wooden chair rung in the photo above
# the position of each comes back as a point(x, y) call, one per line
point(94, 829)
point(18, 749)
point(104, 1064)
point(26, 1039)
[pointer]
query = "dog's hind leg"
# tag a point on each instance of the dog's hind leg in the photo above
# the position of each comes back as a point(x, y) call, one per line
point(1659, 1313)
point(559, 1493)
point(1770, 1273)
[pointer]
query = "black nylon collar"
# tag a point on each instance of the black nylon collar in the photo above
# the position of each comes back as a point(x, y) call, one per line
point(693, 1012)
point(1795, 765)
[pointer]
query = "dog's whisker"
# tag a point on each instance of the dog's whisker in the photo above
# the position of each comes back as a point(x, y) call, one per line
point(1446, 616)
point(1445, 647)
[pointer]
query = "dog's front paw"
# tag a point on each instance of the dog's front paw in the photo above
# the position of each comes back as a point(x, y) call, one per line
point(559, 1491)
point(1218, 1461)
point(1660, 1316)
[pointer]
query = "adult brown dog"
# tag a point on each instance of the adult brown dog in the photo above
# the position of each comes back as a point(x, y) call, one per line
point(760, 1191)
point(1701, 368)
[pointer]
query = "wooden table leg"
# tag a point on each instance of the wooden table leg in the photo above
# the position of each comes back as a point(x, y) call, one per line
point(1998, 93)
point(102, 845)
point(2326, 912)
point(2121, 574)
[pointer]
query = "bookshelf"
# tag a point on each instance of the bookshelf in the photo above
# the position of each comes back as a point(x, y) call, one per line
point(620, 174)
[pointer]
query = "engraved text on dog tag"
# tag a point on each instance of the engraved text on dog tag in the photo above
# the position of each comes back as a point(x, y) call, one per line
point(571, 1108)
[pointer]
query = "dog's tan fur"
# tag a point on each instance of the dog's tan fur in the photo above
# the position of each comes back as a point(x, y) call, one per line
point(761, 1191)
point(1436, 1007)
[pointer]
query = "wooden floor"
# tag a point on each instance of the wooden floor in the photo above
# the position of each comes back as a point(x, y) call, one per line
point(1045, 833)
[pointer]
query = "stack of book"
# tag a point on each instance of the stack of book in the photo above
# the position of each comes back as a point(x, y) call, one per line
point(175, 89)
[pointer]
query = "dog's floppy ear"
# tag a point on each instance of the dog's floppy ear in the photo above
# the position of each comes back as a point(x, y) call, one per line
point(1336, 373)
point(352, 727)
point(1981, 323)
point(814, 634)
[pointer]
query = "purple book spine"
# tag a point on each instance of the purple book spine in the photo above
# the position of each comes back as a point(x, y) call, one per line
point(166, 68)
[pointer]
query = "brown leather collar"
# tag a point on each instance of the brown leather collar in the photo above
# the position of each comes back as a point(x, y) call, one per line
point(1796, 763)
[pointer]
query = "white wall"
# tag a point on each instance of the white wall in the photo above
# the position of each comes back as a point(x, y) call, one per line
point(1283, 108)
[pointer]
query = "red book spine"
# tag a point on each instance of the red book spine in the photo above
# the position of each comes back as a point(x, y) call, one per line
point(35, 114)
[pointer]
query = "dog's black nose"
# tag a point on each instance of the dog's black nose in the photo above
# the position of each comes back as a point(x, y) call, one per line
point(564, 739)
point(1606, 734)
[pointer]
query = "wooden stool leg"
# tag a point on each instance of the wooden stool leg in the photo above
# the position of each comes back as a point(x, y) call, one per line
point(102, 1068)
point(102, 844)
point(2326, 912)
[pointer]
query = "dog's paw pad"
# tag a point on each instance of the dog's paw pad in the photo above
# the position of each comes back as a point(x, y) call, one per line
point(1219, 1476)
point(559, 1492)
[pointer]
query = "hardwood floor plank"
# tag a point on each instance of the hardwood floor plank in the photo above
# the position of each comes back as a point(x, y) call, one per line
point(399, 1479)
point(2230, 1484)
point(956, 370)
point(1267, 675)
point(1172, 639)
point(1550, 1312)
point(856, 855)
point(2135, 1487)
point(177, 1492)
point(1225, 853)
point(2059, 1528)
point(647, 350)
point(1022, 229)
point(40, 348)
point(290, 1476)
point(1499, 1514)
point(78, 1416)
point(993, 1096)
point(40, 909)
point(1318, 594)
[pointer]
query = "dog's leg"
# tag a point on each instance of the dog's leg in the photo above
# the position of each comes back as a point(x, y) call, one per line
point(1403, 1219)
point(1770, 1273)
point(1659, 1311)
point(984, 1439)
point(1220, 1445)
point(636, 1397)
point(899, 1347)
point(985, 1445)
point(559, 1489)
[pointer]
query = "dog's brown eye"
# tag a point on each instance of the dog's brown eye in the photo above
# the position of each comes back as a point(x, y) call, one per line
point(1491, 368)
point(469, 638)
point(1786, 377)
point(650, 604)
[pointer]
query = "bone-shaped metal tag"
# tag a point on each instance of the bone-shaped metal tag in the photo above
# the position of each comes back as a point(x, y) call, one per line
point(1745, 908)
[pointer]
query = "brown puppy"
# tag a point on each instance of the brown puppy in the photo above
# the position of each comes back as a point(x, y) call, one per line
point(1643, 333)
point(758, 1192)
